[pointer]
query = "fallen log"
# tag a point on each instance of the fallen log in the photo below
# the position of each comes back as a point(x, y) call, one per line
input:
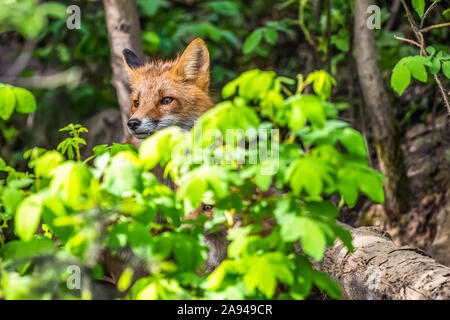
point(380, 270)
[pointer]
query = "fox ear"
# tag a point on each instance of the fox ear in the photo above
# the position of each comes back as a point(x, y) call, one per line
point(193, 65)
point(131, 60)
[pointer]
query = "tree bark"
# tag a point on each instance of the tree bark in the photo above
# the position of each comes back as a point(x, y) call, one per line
point(378, 269)
point(124, 31)
point(382, 117)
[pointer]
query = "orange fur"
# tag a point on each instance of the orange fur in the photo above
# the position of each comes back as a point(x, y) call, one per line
point(184, 79)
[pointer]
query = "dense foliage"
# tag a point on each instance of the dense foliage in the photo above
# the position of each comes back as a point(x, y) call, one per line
point(113, 204)
point(60, 212)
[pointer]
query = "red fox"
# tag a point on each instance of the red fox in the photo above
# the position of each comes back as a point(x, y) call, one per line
point(168, 93)
point(173, 93)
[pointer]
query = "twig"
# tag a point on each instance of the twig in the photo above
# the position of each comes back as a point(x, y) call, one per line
point(328, 34)
point(301, 22)
point(421, 42)
point(443, 93)
point(410, 18)
point(426, 13)
point(441, 25)
point(407, 40)
point(416, 31)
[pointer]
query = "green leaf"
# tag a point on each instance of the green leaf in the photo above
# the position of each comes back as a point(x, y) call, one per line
point(347, 185)
point(446, 69)
point(265, 270)
point(323, 209)
point(271, 35)
point(122, 175)
point(324, 282)
point(252, 41)
point(150, 8)
point(308, 174)
point(304, 107)
point(28, 217)
point(263, 181)
point(47, 162)
point(431, 50)
point(226, 8)
point(230, 89)
point(195, 184)
point(192, 188)
point(401, 78)
point(345, 236)
point(125, 279)
point(17, 249)
point(11, 197)
point(419, 6)
point(79, 176)
point(322, 83)
point(353, 141)
point(158, 148)
point(54, 9)
point(417, 69)
point(436, 66)
point(7, 102)
point(341, 40)
point(372, 186)
point(2, 164)
point(26, 103)
point(187, 252)
point(312, 238)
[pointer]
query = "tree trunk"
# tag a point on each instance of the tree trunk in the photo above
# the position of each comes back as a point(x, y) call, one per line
point(382, 117)
point(378, 269)
point(124, 31)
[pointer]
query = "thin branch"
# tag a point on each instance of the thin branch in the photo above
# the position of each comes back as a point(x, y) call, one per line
point(408, 40)
point(303, 27)
point(430, 8)
point(328, 34)
point(421, 42)
point(443, 93)
point(410, 17)
point(441, 25)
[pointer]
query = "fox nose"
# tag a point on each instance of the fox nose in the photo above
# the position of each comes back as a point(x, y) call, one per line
point(133, 124)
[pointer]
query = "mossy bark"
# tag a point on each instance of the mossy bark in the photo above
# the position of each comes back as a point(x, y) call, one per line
point(124, 31)
point(381, 115)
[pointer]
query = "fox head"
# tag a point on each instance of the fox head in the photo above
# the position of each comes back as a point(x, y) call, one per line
point(168, 93)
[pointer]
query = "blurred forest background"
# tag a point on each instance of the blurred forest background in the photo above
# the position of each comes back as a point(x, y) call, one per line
point(70, 74)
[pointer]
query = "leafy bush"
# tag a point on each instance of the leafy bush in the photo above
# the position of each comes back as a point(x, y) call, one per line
point(66, 213)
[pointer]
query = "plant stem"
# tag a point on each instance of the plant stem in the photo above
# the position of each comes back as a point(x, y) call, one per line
point(441, 25)
point(407, 40)
point(421, 42)
point(301, 22)
point(426, 13)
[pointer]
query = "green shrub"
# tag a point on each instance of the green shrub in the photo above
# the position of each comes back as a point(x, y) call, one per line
point(312, 161)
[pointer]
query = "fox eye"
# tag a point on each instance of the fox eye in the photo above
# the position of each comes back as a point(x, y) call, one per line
point(166, 100)
point(136, 103)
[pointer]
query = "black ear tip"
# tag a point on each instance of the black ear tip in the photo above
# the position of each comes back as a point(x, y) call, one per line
point(127, 52)
point(132, 59)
